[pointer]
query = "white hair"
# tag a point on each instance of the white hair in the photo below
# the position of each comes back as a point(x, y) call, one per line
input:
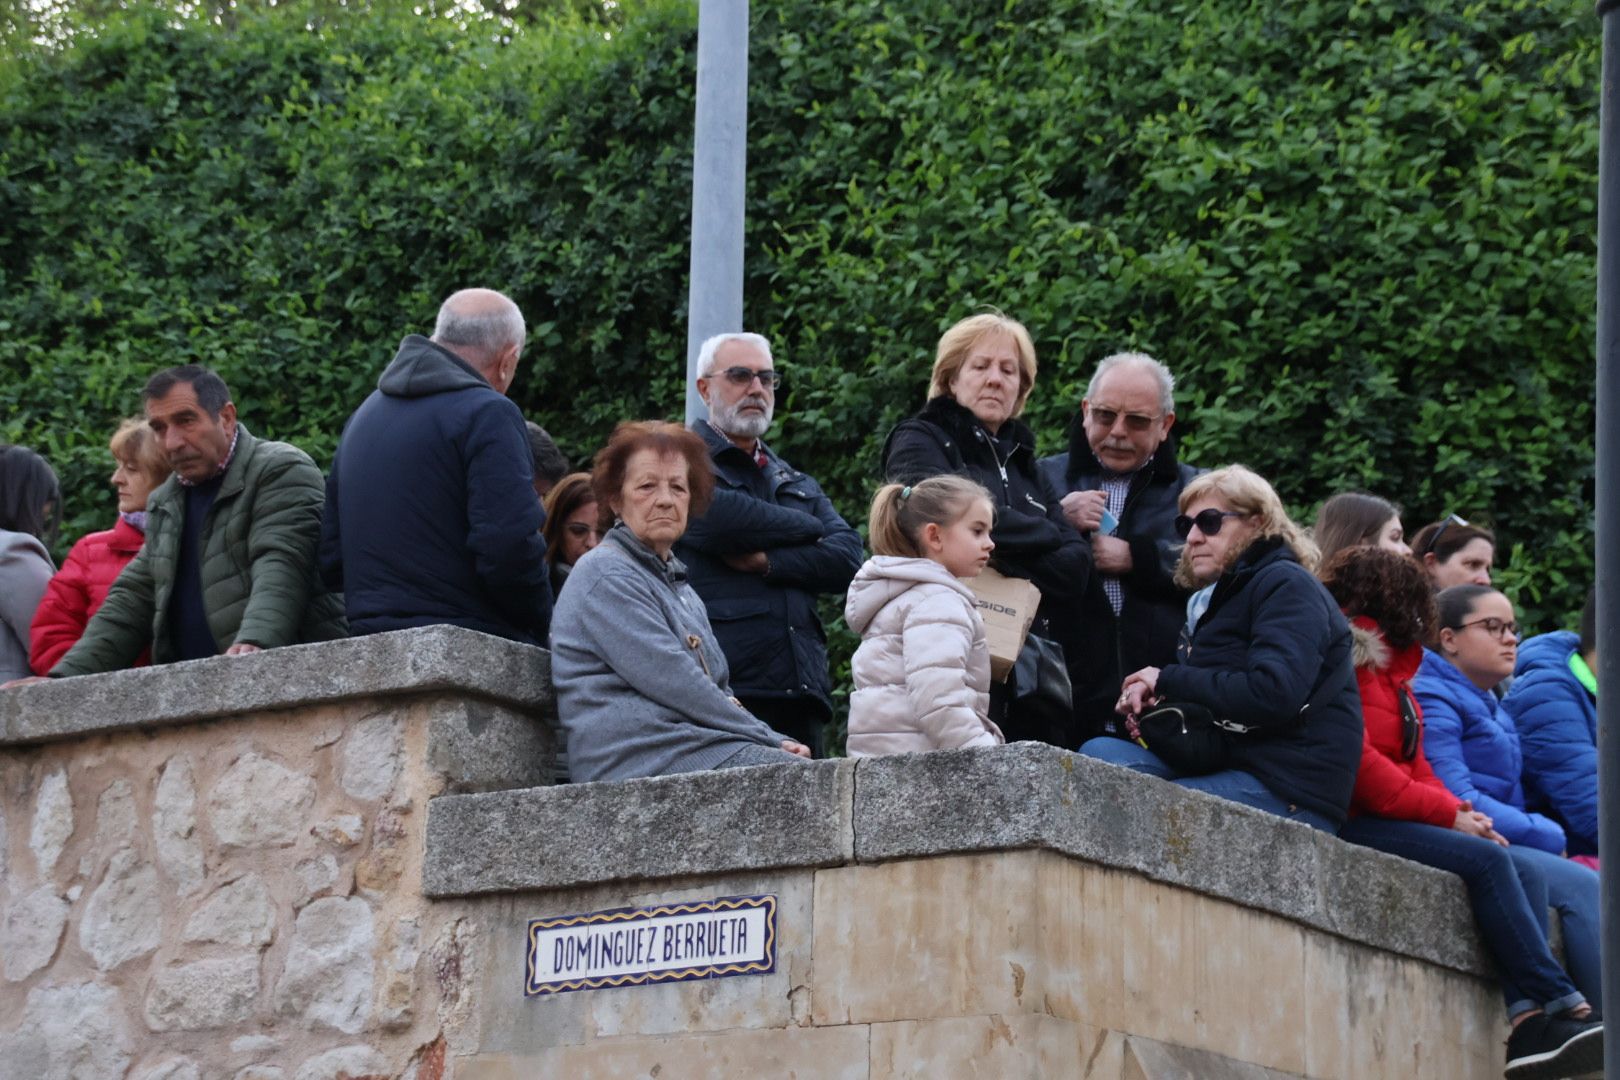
point(488, 329)
point(1141, 362)
point(707, 350)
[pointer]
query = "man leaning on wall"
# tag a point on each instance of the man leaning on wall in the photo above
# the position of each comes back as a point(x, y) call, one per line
point(229, 560)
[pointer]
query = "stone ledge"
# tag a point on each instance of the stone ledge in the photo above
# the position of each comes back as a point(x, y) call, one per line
point(768, 817)
point(430, 659)
point(1026, 795)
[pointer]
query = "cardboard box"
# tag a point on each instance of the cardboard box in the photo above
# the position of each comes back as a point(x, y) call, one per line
point(1007, 606)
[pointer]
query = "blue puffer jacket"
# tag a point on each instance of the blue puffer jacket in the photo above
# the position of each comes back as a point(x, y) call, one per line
point(1474, 749)
point(1557, 722)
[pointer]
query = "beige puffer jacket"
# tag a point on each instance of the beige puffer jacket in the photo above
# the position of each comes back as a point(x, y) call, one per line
point(922, 672)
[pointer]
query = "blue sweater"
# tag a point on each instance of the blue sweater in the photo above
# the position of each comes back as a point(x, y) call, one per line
point(1474, 749)
point(1556, 719)
point(642, 685)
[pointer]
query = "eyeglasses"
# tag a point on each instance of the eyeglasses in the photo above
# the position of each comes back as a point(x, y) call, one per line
point(579, 530)
point(1209, 521)
point(741, 376)
point(1493, 626)
point(1108, 417)
point(1450, 520)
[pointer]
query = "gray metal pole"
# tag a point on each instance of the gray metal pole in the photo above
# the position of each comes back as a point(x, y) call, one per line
point(1607, 560)
point(719, 174)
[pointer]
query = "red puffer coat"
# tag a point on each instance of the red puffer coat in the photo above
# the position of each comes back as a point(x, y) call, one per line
point(77, 591)
point(1390, 785)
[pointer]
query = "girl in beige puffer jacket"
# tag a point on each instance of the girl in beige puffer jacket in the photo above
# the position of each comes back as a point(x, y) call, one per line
point(922, 672)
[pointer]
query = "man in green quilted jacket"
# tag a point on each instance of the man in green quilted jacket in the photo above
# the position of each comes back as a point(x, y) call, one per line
point(229, 560)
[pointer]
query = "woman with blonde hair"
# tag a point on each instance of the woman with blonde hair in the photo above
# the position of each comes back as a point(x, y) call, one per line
point(1266, 655)
point(78, 589)
point(984, 370)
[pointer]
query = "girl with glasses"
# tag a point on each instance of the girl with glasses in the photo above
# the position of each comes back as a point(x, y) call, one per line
point(1474, 745)
point(1267, 654)
point(1415, 798)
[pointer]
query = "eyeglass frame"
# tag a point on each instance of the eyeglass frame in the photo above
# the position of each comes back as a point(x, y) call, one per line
point(1184, 523)
point(769, 378)
point(1137, 422)
point(1510, 625)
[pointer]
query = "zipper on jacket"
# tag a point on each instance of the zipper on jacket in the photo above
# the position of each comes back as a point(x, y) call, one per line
point(1001, 465)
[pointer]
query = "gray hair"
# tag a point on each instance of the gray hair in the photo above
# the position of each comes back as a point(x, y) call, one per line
point(488, 328)
point(1142, 362)
point(707, 350)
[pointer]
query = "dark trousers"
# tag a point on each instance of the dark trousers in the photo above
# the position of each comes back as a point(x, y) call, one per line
point(1513, 927)
point(801, 719)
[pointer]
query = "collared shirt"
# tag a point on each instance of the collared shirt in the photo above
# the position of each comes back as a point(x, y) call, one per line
point(223, 465)
point(1117, 486)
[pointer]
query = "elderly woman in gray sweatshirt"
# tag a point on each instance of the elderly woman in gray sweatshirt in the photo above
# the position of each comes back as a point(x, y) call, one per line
point(642, 686)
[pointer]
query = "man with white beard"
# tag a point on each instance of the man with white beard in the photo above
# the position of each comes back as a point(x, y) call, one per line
point(768, 544)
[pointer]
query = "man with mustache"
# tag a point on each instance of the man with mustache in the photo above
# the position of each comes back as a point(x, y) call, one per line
point(1123, 482)
point(767, 546)
point(228, 565)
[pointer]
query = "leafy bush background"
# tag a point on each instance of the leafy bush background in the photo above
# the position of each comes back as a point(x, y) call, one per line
point(1361, 233)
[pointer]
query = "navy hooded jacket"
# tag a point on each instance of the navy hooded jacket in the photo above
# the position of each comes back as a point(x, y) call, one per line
point(1274, 652)
point(431, 512)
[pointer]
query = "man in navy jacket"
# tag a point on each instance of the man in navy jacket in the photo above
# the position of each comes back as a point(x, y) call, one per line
point(431, 515)
point(768, 545)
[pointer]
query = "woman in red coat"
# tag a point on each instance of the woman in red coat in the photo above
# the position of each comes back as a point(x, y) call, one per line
point(1400, 807)
point(95, 562)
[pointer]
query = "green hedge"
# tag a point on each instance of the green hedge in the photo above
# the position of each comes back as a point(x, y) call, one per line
point(1361, 233)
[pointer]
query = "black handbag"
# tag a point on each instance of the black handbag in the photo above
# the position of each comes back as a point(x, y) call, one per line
point(1042, 705)
point(1183, 735)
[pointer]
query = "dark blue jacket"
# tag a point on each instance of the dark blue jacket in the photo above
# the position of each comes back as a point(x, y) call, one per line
point(1474, 749)
point(431, 513)
point(767, 625)
point(1557, 721)
point(1148, 626)
point(1033, 540)
point(1274, 652)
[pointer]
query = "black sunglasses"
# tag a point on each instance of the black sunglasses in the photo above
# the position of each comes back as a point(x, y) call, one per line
point(1450, 520)
point(1109, 417)
point(1209, 521)
point(741, 376)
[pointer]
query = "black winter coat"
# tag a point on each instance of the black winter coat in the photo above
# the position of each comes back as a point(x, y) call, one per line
point(1033, 540)
point(1145, 632)
point(1273, 651)
point(767, 626)
point(431, 516)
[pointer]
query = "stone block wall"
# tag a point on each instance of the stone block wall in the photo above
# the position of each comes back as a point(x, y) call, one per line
point(211, 870)
point(321, 863)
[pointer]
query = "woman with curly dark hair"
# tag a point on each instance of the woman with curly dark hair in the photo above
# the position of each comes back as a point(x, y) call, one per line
point(1401, 807)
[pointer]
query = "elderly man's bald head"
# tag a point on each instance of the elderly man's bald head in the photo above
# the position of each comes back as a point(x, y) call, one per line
point(484, 328)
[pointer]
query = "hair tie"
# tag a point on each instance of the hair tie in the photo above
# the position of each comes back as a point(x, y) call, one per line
point(905, 493)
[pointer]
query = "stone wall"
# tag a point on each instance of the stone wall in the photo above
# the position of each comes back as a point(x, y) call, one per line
point(322, 862)
point(1009, 912)
point(211, 870)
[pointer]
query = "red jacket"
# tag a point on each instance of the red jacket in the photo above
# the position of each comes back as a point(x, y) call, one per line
point(77, 590)
point(1388, 785)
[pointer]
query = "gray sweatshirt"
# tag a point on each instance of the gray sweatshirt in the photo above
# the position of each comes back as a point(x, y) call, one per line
point(633, 698)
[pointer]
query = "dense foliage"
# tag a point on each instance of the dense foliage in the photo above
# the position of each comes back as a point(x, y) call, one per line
point(1361, 232)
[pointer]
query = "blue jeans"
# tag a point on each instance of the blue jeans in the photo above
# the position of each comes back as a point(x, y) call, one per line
point(1232, 784)
point(1551, 881)
point(1513, 925)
